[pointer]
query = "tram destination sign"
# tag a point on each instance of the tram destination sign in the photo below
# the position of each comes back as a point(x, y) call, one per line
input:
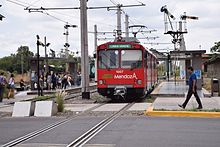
point(113, 46)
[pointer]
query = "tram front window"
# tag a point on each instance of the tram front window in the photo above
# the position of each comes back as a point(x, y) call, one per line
point(108, 59)
point(131, 59)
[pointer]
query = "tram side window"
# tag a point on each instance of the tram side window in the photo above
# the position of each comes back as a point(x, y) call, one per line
point(131, 58)
point(108, 59)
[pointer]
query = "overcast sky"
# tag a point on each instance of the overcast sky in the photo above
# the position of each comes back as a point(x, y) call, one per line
point(20, 27)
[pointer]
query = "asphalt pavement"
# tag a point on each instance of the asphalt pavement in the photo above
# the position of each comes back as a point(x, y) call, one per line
point(159, 132)
point(12, 128)
point(139, 131)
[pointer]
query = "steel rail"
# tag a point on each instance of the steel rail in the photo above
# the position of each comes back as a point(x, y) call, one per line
point(83, 139)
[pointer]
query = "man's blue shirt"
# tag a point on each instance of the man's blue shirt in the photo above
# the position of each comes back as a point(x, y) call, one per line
point(191, 78)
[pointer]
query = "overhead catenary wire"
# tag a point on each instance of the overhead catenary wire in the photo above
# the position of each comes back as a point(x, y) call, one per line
point(27, 5)
point(32, 4)
point(113, 2)
point(24, 5)
point(17, 3)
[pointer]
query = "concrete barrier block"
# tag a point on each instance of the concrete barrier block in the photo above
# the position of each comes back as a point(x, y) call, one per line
point(45, 108)
point(23, 109)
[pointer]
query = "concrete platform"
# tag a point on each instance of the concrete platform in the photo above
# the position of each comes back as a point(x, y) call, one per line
point(79, 107)
point(35, 92)
point(178, 89)
point(111, 107)
point(164, 106)
point(6, 108)
point(139, 107)
point(172, 103)
point(20, 96)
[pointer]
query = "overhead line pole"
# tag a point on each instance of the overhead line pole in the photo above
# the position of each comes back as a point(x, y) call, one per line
point(95, 48)
point(46, 55)
point(126, 26)
point(84, 49)
point(119, 31)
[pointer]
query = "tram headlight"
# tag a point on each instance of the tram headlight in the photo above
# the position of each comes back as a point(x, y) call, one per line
point(139, 82)
point(101, 82)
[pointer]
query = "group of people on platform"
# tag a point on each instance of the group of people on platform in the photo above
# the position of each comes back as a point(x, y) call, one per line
point(9, 84)
point(52, 81)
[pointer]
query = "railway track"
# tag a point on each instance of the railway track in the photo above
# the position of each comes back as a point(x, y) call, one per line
point(83, 139)
point(36, 133)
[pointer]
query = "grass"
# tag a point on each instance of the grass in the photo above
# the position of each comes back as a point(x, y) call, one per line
point(149, 99)
point(98, 98)
point(5, 92)
point(60, 101)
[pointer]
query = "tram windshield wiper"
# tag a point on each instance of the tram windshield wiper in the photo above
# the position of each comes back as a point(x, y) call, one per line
point(106, 66)
point(133, 65)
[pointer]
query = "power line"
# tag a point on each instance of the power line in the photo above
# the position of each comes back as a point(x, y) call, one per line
point(27, 5)
point(113, 2)
point(72, 8)
point(32, 4)
point(22, 5)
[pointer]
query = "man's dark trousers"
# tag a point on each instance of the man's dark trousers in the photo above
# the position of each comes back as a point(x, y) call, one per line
point(1, 93)
point(189, 94)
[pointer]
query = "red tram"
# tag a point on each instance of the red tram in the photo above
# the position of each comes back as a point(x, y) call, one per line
point(125, 69)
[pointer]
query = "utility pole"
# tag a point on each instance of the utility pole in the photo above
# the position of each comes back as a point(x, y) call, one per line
point(67, 45)
point(22, 63)
point(95, 48)
point(1, 16)
point(95, 37)
point(46, 55)
point(84, 50)
point(38, 66)
point(182, 48)
point(119, 32)
point(126, 26)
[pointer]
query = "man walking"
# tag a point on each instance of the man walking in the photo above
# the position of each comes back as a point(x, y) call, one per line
point(192, 90)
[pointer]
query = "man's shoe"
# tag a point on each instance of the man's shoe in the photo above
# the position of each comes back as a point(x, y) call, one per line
point(181, 106)
point(200, 107)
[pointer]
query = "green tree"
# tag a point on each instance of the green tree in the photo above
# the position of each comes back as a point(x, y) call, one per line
point(6, 63)
point(13, 62)
point(216, 47)
point(23, 55)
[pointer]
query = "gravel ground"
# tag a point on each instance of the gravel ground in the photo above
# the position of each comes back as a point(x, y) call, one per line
point(98, 114)
point(94, 98)
point(5, 114)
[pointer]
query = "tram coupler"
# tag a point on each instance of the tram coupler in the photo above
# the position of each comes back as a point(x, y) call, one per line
point(120, 91)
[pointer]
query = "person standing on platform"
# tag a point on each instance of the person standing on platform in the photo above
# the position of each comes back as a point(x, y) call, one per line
point(3, 82)
point(192, 90)
point(49, 81)
point(54, 81)
point(11, 86)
